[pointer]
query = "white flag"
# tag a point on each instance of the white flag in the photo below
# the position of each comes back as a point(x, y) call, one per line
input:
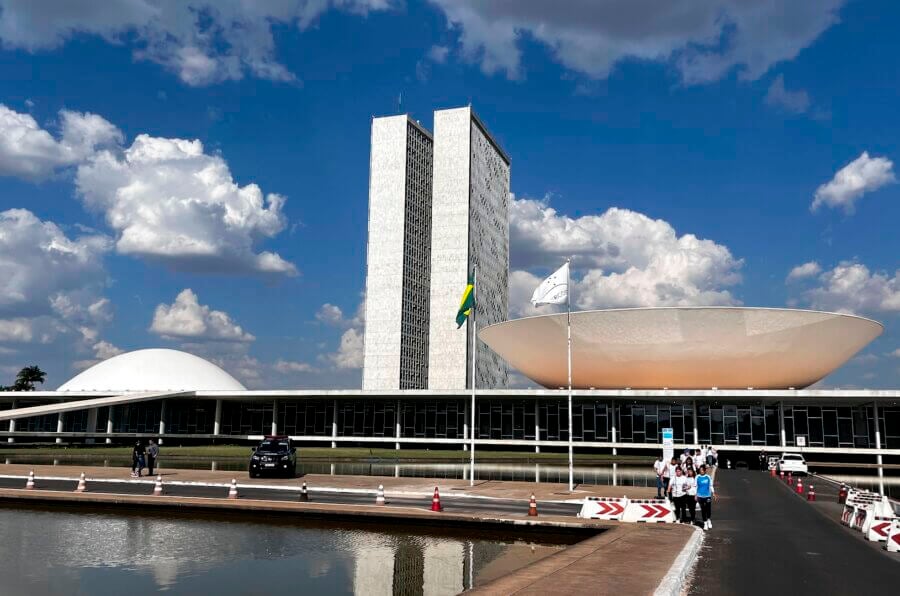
point(554, 289)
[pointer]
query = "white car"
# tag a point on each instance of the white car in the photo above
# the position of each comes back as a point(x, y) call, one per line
point(792, 462)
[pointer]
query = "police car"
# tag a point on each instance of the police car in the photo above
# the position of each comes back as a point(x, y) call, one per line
point(275, 455)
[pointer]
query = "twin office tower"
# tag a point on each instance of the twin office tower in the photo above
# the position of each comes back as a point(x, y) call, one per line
point(438, 205)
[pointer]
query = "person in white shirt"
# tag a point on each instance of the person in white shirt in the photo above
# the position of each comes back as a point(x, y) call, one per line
point(678, 492)
point(659, 467)
point(691, 500)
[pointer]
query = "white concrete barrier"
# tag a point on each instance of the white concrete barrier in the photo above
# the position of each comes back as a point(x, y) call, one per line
point(879, 528)
point(892, 545)
point(608, 508)
point(649, 511)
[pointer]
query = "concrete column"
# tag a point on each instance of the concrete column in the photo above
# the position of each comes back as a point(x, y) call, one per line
point(217, 421)
point(109, 424)
point(537, 427)
point(162, 421)
point(12, 426)
point(274, 417)
point(878, 458)
point(334, 413)
point(781, 423)
point(397, 425)
point(696, 428)
point(91, 425)
point(59, 427)
point(465, 429)
point(612, 409)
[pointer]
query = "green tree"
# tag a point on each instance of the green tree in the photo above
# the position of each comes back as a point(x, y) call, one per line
point(28, 376)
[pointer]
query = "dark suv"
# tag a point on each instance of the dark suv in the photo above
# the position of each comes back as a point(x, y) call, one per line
point(274, 455)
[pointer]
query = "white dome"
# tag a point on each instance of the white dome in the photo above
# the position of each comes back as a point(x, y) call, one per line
point(153, 370)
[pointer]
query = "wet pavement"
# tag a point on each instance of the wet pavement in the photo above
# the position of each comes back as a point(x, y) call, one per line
point(767, 540)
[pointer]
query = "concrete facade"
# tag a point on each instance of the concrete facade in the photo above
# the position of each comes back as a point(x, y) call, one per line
point(398, 256)
point(470, 226)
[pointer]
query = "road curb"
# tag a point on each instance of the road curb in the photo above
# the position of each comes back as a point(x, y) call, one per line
point(673, 582)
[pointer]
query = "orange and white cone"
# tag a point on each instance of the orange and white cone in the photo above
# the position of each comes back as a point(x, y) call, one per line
point(157, 488)
point(304, 494)
point(82, 486)
point(532, 507)
point(29, 484)
point(232, 492)
point(379, 496)
point(436, 501)
point(811, 493)
point(790, 478)
point(799, 486)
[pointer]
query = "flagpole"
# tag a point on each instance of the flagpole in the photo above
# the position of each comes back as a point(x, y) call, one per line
point(569, 354)
point(472, 408)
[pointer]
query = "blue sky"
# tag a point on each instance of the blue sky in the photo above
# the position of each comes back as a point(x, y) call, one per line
point(677, 148)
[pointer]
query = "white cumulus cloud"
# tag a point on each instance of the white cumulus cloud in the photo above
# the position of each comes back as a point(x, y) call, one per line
point(851, 287)
point(624, 259)
point(349, 354)
point(863, 174)
point(28, 151)
point(810, 269)
point(291, 366)
point(703, 39)
point(170, 201)
point(187, 319)
point(202, 41)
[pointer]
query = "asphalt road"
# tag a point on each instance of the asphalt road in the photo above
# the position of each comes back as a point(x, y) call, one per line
point(450, 503)
point(767, 541)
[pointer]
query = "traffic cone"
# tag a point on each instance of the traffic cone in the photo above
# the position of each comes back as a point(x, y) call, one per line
point(29, 484)
point(379, 496)
point(782, 474)
point(82, 486)
point(811, 493)
point(772, 472)
point(799, 486)
point(304, 494)
point(232, 492)
point(157, 488)
point(436, 501)
point(842, 494)
point(790, 478)
point(532, 507)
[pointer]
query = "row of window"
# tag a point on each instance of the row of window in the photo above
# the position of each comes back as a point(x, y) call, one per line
point(593, 420)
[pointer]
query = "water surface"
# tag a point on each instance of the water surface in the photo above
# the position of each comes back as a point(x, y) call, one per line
point(48, 551)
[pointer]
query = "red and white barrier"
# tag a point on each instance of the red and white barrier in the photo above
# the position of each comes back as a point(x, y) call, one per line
point(608, 508)
point(879, 528)
point(882, 508)
point(649, 511)
point(892, 545)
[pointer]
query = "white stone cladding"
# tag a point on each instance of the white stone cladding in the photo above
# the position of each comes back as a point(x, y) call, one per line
point(398, 256)
point(470, 215)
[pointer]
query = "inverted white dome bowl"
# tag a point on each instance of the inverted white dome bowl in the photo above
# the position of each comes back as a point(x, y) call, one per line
point(683, 348)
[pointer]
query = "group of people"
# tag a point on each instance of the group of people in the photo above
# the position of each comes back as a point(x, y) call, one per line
point(686, 481)
point(142, 457)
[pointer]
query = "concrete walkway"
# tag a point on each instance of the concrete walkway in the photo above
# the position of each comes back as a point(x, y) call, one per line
point(369, 484)
point(631, 560)
point(766, 540)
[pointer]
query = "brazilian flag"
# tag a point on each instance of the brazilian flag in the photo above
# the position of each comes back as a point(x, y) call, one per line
point(466, 304)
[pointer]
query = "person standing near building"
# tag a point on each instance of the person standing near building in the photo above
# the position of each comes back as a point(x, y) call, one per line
point(152, 454)
point(690, 500)
point(678, 493)
point(669, 474)
point(137, 460)
point(659, 467)
point(705, 494)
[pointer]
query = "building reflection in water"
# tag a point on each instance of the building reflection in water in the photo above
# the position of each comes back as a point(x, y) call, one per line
point(42, 548)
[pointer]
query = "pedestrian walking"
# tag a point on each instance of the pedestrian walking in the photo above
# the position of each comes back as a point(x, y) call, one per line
point(137, 460)
point(669, 474)
point(705, 494)
point(691, 500)
point(152, 455)
point(659, 467)
point(678, 493)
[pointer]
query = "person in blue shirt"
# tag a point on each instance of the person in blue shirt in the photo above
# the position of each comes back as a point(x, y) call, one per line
point(705, 494)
